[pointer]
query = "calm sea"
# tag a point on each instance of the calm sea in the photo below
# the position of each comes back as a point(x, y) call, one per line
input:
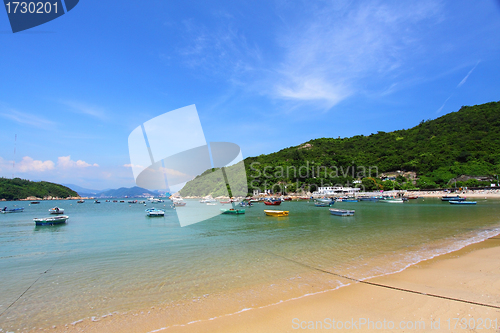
point(111, 257)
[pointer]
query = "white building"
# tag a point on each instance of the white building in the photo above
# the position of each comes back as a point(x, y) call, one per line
point(330, 190)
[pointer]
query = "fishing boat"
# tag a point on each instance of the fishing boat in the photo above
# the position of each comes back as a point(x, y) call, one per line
point(153, 212)
point(452, 198)
point(350, 200)
point(412, 197)
point(462, 202)
point(324, 204)
point(327, 200)
point(392, 200)
point(56, 211)
point(35, 202)
point(80, 201)
point(245, 204)
point(276, 212)
point(341, 212)
point(370, 198)
point(232, 211)
point(51, 220)
point(12, 210)
point(272, 202)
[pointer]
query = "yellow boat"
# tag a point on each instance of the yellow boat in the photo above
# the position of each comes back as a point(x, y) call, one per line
point(276, 212)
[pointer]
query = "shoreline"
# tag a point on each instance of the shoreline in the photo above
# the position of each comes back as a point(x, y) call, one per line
point(185, 316)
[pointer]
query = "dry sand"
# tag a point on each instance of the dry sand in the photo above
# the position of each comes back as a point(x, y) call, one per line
point(456, 292)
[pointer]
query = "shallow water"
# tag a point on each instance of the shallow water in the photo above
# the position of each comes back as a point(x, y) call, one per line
point(111, 257)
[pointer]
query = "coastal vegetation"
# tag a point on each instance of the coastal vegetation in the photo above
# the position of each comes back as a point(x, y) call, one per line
point(466, 142)
point(17, 188)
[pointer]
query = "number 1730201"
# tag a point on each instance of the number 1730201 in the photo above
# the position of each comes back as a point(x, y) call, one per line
point(31, 7)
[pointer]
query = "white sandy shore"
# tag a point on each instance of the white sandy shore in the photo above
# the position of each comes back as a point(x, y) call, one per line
point(444, 292)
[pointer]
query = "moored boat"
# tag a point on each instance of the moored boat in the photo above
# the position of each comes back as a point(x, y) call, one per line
point(153, 212)
point(276, 212)
point(51, 220)
point(462, 202)
point(35, 202)
point(326, 200)
point(341, 212)
point(232, 211)
point(273, 202)
point(370, 198)
point(12, 210)
point(324, 204)
point(454, 198)
point(392, 200)
point(56, 210)
point(80, 201)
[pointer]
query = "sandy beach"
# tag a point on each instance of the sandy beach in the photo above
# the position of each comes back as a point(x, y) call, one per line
point(456, 292)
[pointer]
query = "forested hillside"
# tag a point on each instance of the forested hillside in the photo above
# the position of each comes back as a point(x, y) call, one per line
point(14, 189)
point(466, 142)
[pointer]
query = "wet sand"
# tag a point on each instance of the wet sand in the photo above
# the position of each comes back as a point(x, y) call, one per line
point(456, 292)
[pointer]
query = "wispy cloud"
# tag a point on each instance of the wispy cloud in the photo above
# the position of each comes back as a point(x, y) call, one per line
point(27, 118)
point(467, 76)
point(458, 86)
point(82, 108)
point(330, 56)
point(442, 106)
point(221, 50)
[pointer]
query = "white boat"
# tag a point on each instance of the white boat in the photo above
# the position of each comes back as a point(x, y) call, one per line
point(392, 200)
point(56, 211)
point(207, 200)
point(51, 220)
point(155, 212)
point(341, 212)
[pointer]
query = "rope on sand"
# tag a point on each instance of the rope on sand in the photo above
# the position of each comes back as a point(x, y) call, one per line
point(386, 286)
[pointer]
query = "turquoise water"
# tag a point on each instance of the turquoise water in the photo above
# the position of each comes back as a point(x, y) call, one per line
point(111, 257)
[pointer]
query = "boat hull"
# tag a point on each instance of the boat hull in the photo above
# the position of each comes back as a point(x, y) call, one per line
point(51, 220)
point(453, 202)
point(232, 211)
point(14, 210)
point(272, 203)
point(276, 212)
point(152, 212)
point(457, 198)
point(341, 212)
point(392, 201)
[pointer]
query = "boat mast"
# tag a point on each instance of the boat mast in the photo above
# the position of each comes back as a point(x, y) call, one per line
point(14, 159)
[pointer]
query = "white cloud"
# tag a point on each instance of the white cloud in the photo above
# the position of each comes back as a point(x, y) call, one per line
point(28, 164)
point(27, 119)
point(467, 76)
point(82, 108)
point(330, 55)
point(133, 166)
point(65, 162)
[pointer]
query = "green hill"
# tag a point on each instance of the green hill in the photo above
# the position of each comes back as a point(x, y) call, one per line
point(15, 189)
point(466, 142)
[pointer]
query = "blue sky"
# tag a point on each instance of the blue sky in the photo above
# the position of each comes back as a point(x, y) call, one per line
point(263, 74)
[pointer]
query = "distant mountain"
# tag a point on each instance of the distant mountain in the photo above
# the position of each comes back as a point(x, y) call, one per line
point(128, 192)
point(83, 192)
point(14, 189)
